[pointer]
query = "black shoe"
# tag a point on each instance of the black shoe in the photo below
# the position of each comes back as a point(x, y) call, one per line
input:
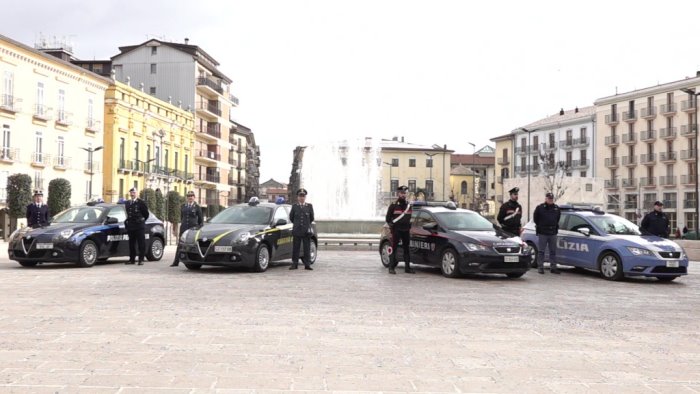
point(140, 262)
point(308, 267)
point(174, 264)
point(555, 271)
point(392, 271)
point(129, 262)
point(540, 271)
point(409, 271)
point(293, 267)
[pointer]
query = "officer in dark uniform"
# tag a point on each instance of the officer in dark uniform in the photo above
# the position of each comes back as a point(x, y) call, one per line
point(302, 215)
point(546, 218)
point(656, 222)
point(191, 216)
point(37, 212)
point(136, 215)
point(398, 216)
point(511, 213)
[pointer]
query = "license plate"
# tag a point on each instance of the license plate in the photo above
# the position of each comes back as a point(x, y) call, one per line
point(44, 246)
point(511, 259)
point(223, 249)
point(672, 264)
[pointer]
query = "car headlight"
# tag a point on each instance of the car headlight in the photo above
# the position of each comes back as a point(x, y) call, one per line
point(639, 251)
point(65, 234)
point(474, 247)
point(183, 237)
point(14, 234)
point(243, 237)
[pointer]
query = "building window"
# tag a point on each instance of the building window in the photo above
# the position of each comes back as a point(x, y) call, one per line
point(394, 185)
point(122, 143)
point(8, 90)
point(5, 140)
point(589, 187)
point(394, 162)
point(583, 175)
point(429, 162)
point(412, 162)
point(154, 50)
point(177, 160)
point(91, 108)
point(38, 145)
point(412, 185)
point(463, 187)
point(121, 187)
point(153, 68)
point(60, 159)
point(152, 90)
point(136, 151)
point(429, 187)
point(38, 181)
point(61, 105)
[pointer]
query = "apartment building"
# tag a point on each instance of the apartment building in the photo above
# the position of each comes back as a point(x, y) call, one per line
point(647, 144)
point(187, 76)
point(503, 167)
point(483, 163)
point(51, 114)
point(148, 143)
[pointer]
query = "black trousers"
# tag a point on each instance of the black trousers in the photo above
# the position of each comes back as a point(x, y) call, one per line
point(405, 237)
point(137, 236)
point(298, 242)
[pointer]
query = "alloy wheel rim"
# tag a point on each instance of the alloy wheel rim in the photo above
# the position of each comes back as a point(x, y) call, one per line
point(448, 262)
point(312, 252)
point(609, 266)
point(89, 253)
point(264, 258)
point(157, 248)
point(385, 254)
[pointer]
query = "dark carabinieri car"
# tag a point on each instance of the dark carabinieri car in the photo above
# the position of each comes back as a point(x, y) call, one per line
point(245, 235)
point(459, 241)
point(83, 235)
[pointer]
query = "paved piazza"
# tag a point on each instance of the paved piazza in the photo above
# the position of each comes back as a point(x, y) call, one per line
point(346, 326)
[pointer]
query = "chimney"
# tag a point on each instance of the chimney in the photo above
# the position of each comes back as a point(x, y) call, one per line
point(576, 110)
point(187, 41)
point(395, 138)
point(561, 111)
point(401, 138)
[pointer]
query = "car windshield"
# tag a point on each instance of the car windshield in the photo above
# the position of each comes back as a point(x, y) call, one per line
point(464, 221)
point(615, 225)
point(79, 215)
point(243, 214)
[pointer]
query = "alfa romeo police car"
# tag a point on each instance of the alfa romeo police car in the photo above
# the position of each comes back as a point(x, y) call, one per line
point(245, 235)
point(459, 241)
point(612, 245)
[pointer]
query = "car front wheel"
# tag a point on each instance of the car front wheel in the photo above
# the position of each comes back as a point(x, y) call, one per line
point(610, 266)
point(384, 253)
point(533, 255)
point(88, 254)
point(449, 263)
point(262, 259)
point(155, 252)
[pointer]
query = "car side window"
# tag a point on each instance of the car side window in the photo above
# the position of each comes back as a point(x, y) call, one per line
point(576, 223)
point(280, 213)
point(562, 221)
point(424, 218)
point(118, 212)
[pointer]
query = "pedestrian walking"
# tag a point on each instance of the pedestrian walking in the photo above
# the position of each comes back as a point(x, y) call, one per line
point(546, 218)
point(511, 214)
point(136, 215)
point(38, 212)
point(656, 222)
point(301, 216)
point(190, 217)
point(398, 217)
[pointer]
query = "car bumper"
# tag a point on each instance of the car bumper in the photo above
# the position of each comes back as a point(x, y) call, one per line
point(238, 257)
point(60, 253)
point(492, 263)
point(649, 266)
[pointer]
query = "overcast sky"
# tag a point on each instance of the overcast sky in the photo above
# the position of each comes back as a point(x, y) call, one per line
point(435, 72)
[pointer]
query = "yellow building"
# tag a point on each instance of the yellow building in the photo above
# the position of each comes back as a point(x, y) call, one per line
point(463, 184)
point(504, 163)
point(148, 143)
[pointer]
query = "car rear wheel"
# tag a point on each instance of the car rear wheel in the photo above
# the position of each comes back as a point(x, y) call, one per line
point(533, 255)
point(384, 253)
point(28, 263)
point(88, 254)
point(515, 275)
point(312, 252)
point(666, 278)
point(262, 259)
point(449, 263)
point(610, 266)
point(193, 267)
point(155, 251)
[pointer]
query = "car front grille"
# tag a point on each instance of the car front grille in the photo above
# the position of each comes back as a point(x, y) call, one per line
point(669, 270)
point(507, 249)
point(670, 255)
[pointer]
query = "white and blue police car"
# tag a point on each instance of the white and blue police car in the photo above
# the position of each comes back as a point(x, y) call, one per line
point(592, 239)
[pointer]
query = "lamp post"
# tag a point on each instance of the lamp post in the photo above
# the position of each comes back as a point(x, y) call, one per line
point(90, 151)
point(146, 174)
point(529, 146)
point(390, 166)
point(474, 187)
point(430, 155)
point(695, 152)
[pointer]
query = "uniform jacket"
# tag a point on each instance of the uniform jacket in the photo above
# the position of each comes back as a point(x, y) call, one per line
point(136, 214)
point(190, 216)
point(546, 219)
point(301, 216)
point(37, 216)
point(510, 215)
point(655, 223)
point(395, 210)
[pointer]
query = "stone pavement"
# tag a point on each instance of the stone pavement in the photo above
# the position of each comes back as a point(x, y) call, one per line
point(347, 326)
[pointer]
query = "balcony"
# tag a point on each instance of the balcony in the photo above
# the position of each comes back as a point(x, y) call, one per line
point(42, 112)
point(647, 158)
point(688, 130)
point(91, 167)
point(232, 181)
point(612, 140)
point(689, 105)
point(210, 86)
point(567, 144)
point(611, 184)
point(647, 181)
point(61, 162)
point(629, 138)
point(208, 109)
point(503, 161)
point(668, 109)
point(521, 150)
point(670, 203)
point(630, 205)
point(208, 155)
point(549, 147)
point(63, 118)
point(647, 135)
point(521, 170)
point(233, 99)
point(92, 125)
point(668, 180)
point(579, 164)
point(231, 160)
point(667, 156)
point(648, 113)
point(612, 206)
point(667, 133)
point(612, 119)
point(629, 182)
point(629, 116)
point(39, 159)
point(10, 104)
point(211, 130)
point(581, 142)
point(629, 161)
point(687, 204)
point(9, 155)
point(211, 178)
point(611, 162)
point(688, 155)
point(687, 179)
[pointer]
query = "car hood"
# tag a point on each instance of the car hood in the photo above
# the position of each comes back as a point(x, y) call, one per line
point(489, 238)
point(650, 242)
point(56, 228)
point(219, 231)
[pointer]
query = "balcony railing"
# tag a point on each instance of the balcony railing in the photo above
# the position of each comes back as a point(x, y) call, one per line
point(611, 162)
point(611, 183)
point(92, 167)
point(630, 205)
point(689, 204)
point(629, 182)
point(579, 164)
point(211, 128)
point(39, 158)
point(210, 107)
point(612, 140)
point(567, 143)
point(689, 105)
point(549, 146)
point(233, 99)
point(647, 158)
point(667, 156)
point(668, 180)
point(688, 155)
point(647, 181)
point(93, 125)
point(63, 118)
point(581, 142)
point(668, 109)
point(214, 178)
point(203, 81)
point(61, 162)
point(42, 112)
point(612, 206)
point(629, 160)
point(670, 203)
point(629, 138)
point(503, 161)
point(647, 135)
point(10, 103)
point(9, 154)
point(649, 112)
point(612, 119)
point(667, 133)
point(629, 116)
point(687, 179)
point(688, 130)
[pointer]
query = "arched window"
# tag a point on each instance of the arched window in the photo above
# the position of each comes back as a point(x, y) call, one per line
point(464, 187)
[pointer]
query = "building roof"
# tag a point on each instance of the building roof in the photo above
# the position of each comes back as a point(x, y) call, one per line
point(271, 183)
point(461, 170)
point(687, 82)
point(407, 146)
point(570, 116)
point(503, 137)
point(473, 160)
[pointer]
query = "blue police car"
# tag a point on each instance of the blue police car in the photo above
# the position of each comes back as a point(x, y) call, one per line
point(592, 239)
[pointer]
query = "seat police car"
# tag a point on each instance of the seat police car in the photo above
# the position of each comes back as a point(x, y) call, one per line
point(248, 235)
point(459, 241)
point(83, 235)
point(592, 239)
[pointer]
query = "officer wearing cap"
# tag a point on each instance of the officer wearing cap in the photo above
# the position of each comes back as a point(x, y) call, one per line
point(190, 217)
point(546, 218)
point(302, 215)
point(398, 217)
point(511, 213)
point(136, 215)
point(37, 212)
point(656, 222)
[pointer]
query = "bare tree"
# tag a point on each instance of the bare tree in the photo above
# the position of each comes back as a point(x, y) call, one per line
point(554, 174)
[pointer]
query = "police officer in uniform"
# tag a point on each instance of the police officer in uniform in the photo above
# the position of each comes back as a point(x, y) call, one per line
point(398, 216)
point(37, 212)
point(511, 213)
point(302, 215)
point(190, 216)
point(136, 215)
point(546, 218)
point(656, 222)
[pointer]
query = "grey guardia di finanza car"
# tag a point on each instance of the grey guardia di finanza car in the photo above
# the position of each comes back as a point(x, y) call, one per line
point(459, 241)
point(83, 235)
point(614, 246)
point(244, 235)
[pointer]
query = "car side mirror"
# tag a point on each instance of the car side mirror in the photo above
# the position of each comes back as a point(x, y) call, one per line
point(280, 222)
point(585, 231)
point(111, 220)
point(431, 227)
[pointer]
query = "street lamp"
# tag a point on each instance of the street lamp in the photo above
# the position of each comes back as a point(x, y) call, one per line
point(431, 174)
point(90, 151)
point(444, 150)
point(691, 92)
point(147, 175)
point(473, 175)
point(390, 166)
point(529, 146)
